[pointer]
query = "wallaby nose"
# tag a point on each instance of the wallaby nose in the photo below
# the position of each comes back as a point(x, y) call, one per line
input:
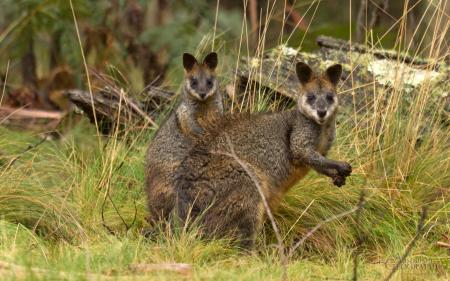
point(202, 95)
point(321, 113)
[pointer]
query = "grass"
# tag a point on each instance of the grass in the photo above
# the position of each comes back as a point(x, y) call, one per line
point(51, 203)
point(74, 208)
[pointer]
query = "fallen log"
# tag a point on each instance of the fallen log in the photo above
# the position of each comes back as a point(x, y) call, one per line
point(365, 69)
point(111, 107)
point(326, 42)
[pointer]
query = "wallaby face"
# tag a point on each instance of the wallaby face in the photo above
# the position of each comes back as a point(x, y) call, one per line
point(200, 79)
point(318, 99)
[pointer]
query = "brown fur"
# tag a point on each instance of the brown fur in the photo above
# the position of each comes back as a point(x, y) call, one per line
point(279, 148)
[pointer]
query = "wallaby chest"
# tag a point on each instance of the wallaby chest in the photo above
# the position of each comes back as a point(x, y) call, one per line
point(325, 138)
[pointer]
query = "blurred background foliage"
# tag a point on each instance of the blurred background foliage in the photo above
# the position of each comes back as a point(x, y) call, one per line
point(145, 38)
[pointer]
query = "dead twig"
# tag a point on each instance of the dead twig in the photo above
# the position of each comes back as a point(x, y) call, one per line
point(420, 228)
point(445, 244)
point(281, 248)
point(22, 113)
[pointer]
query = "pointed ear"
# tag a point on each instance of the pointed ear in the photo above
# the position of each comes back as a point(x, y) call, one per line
point(304, 72)
point(189, 61)
point(211, 60)
point(333, 73)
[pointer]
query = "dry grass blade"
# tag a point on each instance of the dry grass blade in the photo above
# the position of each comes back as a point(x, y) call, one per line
point(4, 83)
point(85, 65)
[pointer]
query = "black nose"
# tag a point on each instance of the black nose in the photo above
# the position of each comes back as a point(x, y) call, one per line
point(321, 113)
point(202, 95)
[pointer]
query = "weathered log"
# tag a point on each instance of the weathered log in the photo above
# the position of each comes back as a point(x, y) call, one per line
point(111, 106)
point(364, 69)
point(327, 42)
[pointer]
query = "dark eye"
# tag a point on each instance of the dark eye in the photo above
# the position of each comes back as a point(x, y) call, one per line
point(330, 98)
point(194, 82)
point(310, 98)
point(209, 82)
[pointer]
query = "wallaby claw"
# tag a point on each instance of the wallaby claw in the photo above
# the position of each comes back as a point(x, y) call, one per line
point(339, 181)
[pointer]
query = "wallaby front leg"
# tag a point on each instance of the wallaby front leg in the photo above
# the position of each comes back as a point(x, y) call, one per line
point(336, 170)
point(195, 127)
point(187, 122)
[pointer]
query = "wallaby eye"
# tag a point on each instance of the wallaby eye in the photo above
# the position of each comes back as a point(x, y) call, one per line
point(330, 98)
point(194, 82)
point(209, 82)
point(310, 98)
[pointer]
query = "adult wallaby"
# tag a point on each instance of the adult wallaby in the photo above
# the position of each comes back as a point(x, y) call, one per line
point(279, 149)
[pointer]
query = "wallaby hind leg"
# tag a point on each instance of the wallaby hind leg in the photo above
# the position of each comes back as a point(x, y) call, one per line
point(246, 238)
point(248, 227)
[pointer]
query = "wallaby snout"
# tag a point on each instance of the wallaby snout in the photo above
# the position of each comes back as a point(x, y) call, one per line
point(321, 113)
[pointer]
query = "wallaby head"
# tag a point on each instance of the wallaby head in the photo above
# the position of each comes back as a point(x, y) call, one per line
point(318, 99)
point(200, 78)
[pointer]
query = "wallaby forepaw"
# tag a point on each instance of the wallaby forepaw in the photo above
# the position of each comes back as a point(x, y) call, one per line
point(344, 169)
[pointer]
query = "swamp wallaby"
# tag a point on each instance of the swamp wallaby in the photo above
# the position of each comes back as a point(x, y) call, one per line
point(214, 190)
point(200, 103)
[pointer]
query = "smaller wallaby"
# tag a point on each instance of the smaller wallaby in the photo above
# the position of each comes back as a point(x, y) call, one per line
point(214, 190)
point(200, 103)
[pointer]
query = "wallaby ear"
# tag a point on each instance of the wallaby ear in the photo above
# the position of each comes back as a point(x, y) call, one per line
point(211, 60)
point(189, 61)
point(304, 72)
point(333, 73)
